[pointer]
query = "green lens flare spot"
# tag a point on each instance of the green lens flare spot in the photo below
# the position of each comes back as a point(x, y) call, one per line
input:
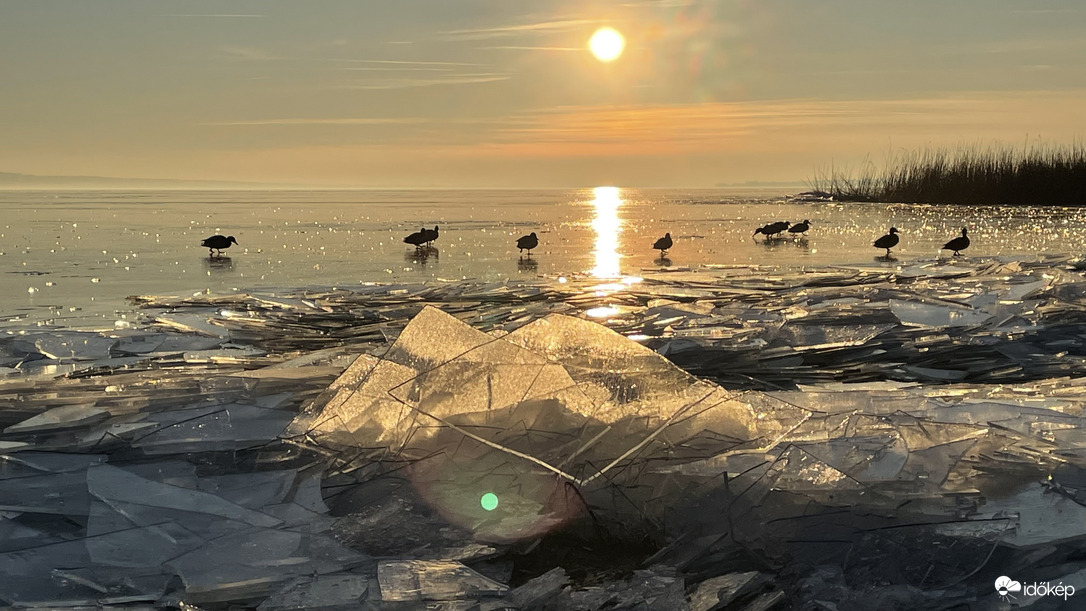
point(489, 501)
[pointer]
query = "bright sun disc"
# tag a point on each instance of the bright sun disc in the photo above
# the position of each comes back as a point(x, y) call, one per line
point(606, 44)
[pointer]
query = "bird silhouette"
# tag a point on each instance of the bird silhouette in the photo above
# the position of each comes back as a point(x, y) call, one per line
point(430, 235)
point(772, 229)
point(664, 244)
point(218, 243)
point(800, 227)
point(888, 241)
point(959, 243)
point(528, 242)
point(417, 239)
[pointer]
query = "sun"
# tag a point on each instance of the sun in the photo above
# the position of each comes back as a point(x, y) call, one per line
point(606, 44)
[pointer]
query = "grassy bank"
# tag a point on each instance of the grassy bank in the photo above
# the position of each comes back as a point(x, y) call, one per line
point(1043, 175)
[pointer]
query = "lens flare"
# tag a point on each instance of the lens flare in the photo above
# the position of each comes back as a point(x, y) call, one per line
point(489, 501)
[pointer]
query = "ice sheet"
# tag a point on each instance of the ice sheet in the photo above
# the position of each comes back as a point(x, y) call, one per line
point(860, 436)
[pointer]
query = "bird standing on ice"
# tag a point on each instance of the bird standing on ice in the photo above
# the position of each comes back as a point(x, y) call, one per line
point(664, 244)
point(800, 227)
point(959, 243)
point(527, 242)
point(417, 239)
point(217, 243)
point(772, 229)
point(888, 241)
point(430, 235)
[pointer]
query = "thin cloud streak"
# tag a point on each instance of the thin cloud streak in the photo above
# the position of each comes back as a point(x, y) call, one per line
point(408, 83)
point(248, 54)
point(399, 69)
point(216, 15)
point(531, 48)
point(402, 62)
point(660, 4)
point(343, 121)
point(513, 30)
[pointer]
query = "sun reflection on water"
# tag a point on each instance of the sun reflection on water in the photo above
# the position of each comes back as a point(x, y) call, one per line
point(607, 225)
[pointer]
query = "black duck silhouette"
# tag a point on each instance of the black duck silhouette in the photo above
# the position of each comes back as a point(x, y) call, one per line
point(417, 239)
point(431, 236)
point(772, 229)
point(216, 243)
point(664, 244)
point(888, 241)
point(527, 242)
point(958, 244)
point(800, 227)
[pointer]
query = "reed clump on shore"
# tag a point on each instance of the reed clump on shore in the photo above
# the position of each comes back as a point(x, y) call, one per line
point(1041, 175)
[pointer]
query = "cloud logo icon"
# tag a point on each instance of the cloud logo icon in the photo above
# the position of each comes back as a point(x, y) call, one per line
point(1005, 585)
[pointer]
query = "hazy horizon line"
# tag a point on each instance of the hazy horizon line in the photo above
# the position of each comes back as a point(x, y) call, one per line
point(201, 184)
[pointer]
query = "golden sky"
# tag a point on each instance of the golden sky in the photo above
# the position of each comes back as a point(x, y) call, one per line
point(420, 93)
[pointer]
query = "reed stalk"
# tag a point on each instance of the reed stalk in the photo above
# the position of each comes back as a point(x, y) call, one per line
point(1036, 176)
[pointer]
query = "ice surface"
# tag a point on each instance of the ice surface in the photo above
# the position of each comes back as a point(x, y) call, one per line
point(865, 437)
point(320, 593)
point(718, 592)
point(418, 580)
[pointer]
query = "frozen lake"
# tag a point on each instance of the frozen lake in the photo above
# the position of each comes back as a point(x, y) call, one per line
point(457, 429)
point(71, 258)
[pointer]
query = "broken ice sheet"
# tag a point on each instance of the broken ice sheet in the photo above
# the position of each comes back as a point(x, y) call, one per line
point(514, 428)
point(419, 580)
point(817, 336)
point(441, 366)
point(935, 315)
point(114, 485)
point(221, 427)
point(66, 417)
point(514, 435)
point(320, 593)
point(529, 417)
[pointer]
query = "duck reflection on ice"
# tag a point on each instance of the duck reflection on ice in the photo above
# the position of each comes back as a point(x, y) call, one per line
point(662, 262)
point(219, 264)
point(422, 255)
point(527, 264)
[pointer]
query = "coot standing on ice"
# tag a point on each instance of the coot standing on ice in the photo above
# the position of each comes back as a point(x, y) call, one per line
point(800, 227)
point(664, 244)
point(218, 243)
point(528, 242)
point(416, 239)
point(888, 241)
point(959, 243)
point(430, 235)
point(772, 229)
